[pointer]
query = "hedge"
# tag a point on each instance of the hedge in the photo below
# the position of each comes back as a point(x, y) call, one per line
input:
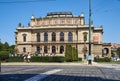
point(15, 59)
point(48, 59)
point(105, 59)
point(38, 59)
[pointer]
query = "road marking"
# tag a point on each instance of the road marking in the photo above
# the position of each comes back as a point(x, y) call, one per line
point(43, 75)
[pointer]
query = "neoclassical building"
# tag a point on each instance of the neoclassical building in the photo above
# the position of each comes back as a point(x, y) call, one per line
point(50, 34)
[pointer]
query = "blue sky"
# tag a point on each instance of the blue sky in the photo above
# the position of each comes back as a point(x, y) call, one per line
point(104, 12)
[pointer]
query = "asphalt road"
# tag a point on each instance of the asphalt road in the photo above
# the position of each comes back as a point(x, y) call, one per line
point(102, 72)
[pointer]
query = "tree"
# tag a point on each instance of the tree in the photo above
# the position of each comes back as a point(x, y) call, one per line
point(74, 54)
point(118, 52)
point(71, 53)
point(68, 53)
point(6, 46)
point(1, 46)
point(12, 49)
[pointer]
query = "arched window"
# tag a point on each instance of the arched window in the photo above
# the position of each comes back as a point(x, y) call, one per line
point(61, 49)
point(61, 36)
point(45, 37)
point(24, 49)
point(24, 37)
point(53, 36)
point(45, 49)
point(70, 36)
point(38, 37)
point(53, 49)
point(38, 49)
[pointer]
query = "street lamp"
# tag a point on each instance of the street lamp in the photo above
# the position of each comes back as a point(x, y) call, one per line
point(89, 55)
point(0, 64)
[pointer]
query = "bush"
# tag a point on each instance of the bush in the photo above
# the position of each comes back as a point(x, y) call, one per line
point(48, 59)
point(105, 59)
point(4, 55)
point(15, 59)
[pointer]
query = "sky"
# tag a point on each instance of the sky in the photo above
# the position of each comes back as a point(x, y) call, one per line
point(104, 12)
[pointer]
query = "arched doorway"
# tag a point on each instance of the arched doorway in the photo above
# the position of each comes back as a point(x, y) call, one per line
point(105, 52)
point(61, 49)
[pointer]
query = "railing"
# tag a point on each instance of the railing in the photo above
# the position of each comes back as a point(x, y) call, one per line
point(35, 42)
point(56, 42)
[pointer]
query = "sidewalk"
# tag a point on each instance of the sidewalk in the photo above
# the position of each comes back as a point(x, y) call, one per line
point(42, 63)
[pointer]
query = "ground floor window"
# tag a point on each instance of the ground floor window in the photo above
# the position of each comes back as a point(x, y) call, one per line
point(53, 49)
point(38, 50)
point(24, 49)
point(45, 49)
point(61, 49)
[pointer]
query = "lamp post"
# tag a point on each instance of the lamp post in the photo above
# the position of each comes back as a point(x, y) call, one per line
point(89, 55)
point(0, 64)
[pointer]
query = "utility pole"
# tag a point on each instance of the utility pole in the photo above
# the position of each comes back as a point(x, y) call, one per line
point(0, 60)
point(89, 55)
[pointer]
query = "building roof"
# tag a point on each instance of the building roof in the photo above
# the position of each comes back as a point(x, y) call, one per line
point(114, 45)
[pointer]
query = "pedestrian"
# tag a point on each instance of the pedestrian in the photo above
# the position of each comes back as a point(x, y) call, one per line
point(24, 57)
point(28, 57)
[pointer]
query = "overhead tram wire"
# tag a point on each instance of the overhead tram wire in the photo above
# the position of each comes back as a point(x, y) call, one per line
point(101, 7)
point(98, 7)
point(30, 1)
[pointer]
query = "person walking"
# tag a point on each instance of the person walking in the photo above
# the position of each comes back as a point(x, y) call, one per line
point(28, 57)
point(25, 57)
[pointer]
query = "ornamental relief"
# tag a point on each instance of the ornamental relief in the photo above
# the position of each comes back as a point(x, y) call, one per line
point(58, 21)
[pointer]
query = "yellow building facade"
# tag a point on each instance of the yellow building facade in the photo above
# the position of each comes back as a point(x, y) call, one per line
point(49, 35)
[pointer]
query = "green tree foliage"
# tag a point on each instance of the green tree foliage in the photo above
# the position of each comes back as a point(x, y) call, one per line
point(71, 53)
point(68, 53)
point(1, 46)
point(4, 55)
point(74, 54)
point(5, 49)
point(118, 52)
point(12, 49)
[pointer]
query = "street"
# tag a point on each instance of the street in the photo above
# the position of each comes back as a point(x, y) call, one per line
point(52, 72)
